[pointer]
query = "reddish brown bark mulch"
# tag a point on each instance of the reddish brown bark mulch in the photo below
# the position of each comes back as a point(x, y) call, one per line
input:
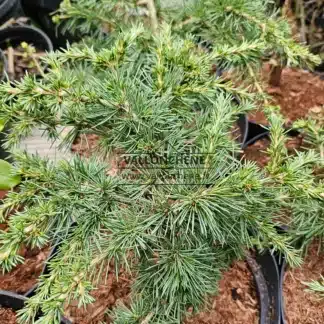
point(236, 303)
point(301, 306)
point(110, 292)
point(24, 276)
point(299, 92)
point(7, 316)
point(85, 145)
point(257, 151)
point(3, 194)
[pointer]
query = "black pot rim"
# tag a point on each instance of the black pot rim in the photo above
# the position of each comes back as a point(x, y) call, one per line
point(6, 6)
point(269, 305)
point(19, 30)
point(255, 132)
point(16, 302)
point(281, 283)
point(48, 5)
point(243, 124)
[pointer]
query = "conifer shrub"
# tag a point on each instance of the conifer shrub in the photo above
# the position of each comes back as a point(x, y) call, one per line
point(149, 91)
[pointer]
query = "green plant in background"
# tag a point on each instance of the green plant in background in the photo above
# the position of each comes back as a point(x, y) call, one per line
point(8, 178)
point(244, 31)
point(173, 229)
point(256, 24)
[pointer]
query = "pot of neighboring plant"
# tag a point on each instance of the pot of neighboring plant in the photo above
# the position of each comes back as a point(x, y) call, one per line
point(282, 269)
point(282, 265)
point(23, 46)
point(266, 275)
point(251, 131)
point(49, 5)
point(41, 11)
point(9, 9)
point(13, 303)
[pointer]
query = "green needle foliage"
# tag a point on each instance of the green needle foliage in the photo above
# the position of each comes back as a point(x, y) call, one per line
point(309, 220)
point(96, 17)
point(315, 286)
point(142, 99)
point(152, 93)
point(249, 29)
point(300, 176)
point(237, 22)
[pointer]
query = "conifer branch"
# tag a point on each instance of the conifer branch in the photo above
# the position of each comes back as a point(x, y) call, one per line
point(176, 226)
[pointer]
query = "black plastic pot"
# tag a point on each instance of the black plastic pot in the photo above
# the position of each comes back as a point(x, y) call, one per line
point(15, 35)
point(41, 12)
point(266, 275)
point(282, 265)
point(255, 132)
point(48, 5)
point(250, 131)
point(17, 302)
point(9, 9)
point(282, 268)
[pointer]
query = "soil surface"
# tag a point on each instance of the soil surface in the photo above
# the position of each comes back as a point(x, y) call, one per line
point(300, 93)
point(257, 151)
point(7, 316)
point(85, 145)
point(237, 301)
point(110, 292)
point(24, 276)
point(301, 306)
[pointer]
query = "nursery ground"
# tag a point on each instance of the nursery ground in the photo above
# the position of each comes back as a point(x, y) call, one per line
point(301, 306)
